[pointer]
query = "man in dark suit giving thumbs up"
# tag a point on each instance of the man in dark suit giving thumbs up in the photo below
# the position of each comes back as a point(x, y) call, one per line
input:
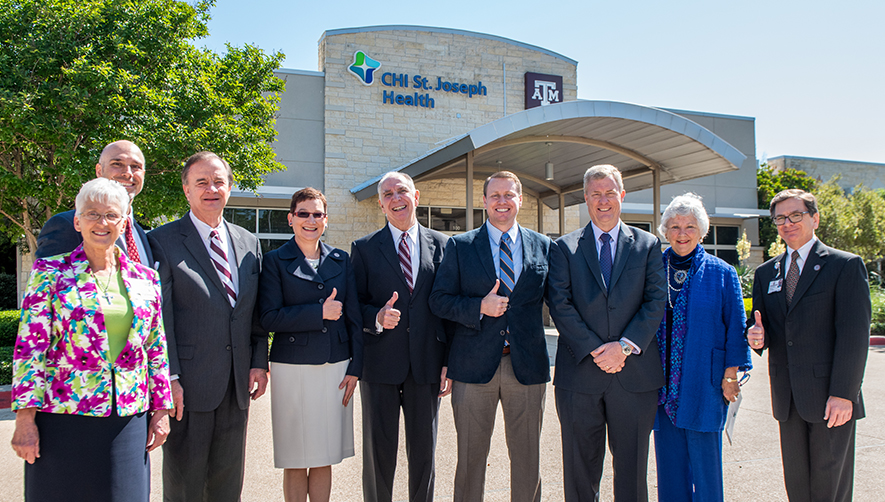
point(405, 344)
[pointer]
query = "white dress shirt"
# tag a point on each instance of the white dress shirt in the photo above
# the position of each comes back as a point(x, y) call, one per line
point(204, 230)
point(803, 255)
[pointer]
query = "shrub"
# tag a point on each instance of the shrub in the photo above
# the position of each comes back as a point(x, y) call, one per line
point(7, 292)
point(5, 365)
point(8, 327)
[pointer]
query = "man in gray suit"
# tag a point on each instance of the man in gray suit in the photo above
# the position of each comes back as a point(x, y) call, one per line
point(209, 269)
point(607, 294)
point(120, 161)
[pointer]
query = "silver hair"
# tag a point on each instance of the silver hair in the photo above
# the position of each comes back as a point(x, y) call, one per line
point(405, 177)
point(603, 171)
point(103, 191)
point(687, 204)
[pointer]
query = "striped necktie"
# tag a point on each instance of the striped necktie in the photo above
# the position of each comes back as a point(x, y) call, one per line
point(405, 260)
point(219, 259)
point(506, 265)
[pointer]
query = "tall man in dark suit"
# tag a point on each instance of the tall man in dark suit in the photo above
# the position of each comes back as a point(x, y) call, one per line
point(404, 343)
point(607, 293)
point(492, 284)
point(217, 355)
point(812, 311)
point(123, 162)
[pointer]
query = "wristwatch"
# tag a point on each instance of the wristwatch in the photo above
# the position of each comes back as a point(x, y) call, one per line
point(626, 349)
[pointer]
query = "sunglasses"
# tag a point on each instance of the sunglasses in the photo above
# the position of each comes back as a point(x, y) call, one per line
point(305, 215)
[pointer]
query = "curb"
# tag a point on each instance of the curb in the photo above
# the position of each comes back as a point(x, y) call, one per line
point(877, 340)
point(5, 396)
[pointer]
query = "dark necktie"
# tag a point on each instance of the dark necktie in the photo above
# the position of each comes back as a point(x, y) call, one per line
point(792, 277)
point(405, 260)
point(605, 259)
point(506, 266)
point(131, 247)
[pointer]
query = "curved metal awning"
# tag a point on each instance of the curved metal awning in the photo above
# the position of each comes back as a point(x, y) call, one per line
point(637, 139)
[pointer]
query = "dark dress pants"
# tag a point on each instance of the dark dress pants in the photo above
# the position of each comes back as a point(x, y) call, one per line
point(94, 459)
point(629, 418)
point(818, 461)
point(381, 405)
point(203, 457)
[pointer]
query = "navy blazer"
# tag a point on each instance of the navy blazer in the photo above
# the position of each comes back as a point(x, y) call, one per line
point(58, 236)
point(419, 340)
point(466, 276)
point(818, 345)
point(290, 304)
point(587, 316)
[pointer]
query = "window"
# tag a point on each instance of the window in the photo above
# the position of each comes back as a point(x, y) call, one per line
point(642, 225)
point(721, 241)
point(450, 220)
point(271, 226)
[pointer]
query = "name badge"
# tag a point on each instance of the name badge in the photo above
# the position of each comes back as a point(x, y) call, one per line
point(775, 286)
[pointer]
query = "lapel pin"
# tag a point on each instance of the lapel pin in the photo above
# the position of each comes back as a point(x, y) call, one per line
point(816, 268)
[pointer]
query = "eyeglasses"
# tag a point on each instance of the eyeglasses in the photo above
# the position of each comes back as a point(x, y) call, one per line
point(111, 218)
point(793, 217)
point(305, 215)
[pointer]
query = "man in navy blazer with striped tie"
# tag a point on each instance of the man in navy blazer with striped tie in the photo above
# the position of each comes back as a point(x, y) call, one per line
point(491, 285)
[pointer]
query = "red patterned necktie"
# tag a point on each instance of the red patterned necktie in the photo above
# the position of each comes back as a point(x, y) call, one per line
point(131, 247)
point(219, 259)
point(405, 260)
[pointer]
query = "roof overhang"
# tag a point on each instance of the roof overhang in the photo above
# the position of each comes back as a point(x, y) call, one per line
point(574, 136)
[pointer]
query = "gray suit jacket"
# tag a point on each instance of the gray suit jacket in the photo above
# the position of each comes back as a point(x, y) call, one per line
point(588, 316)
point(207, 338)
point(59, 236)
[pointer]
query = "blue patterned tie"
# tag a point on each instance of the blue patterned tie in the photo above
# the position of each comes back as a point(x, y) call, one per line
point(605, 260)
point(506, 266)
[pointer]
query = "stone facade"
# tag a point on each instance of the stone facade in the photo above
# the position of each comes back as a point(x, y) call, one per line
point(851, 173)
point(360, 143)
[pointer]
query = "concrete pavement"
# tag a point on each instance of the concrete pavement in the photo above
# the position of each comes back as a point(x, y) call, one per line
point(752, 467)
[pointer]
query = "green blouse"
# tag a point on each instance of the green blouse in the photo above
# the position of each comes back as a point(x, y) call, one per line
point(117, 315)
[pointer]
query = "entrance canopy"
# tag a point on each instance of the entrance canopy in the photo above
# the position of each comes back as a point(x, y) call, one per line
point(650, 146)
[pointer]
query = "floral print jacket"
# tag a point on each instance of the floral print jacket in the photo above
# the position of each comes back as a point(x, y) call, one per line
point(61, 354)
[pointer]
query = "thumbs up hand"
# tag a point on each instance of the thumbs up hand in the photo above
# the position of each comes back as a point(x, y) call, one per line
point(756, 333)
point(492, 304)
point(332, 307)
point(388, 317)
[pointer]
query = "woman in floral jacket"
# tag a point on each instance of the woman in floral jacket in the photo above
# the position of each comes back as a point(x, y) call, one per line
point(90, 372)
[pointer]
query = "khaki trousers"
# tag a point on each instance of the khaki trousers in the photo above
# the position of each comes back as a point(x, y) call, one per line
point(474, 407)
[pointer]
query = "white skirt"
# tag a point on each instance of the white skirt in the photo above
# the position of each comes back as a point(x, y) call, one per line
point(310, 426)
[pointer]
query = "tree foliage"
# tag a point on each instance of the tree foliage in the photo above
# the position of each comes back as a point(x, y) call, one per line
point(768, 183)
point(76, 75)
point(852, 222)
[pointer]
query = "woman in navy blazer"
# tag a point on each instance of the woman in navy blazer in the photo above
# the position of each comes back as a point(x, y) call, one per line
point(308, 298)
point(702, 345)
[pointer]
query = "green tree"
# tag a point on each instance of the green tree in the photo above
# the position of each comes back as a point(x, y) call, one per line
point(78, 74)
point(852, 222)
point(768, 183)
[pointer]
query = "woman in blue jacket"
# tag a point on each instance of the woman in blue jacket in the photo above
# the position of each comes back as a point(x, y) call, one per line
point(308, 298)
point(702, 348)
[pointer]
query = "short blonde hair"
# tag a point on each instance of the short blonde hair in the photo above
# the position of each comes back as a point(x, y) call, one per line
point(103, 191)
point(603, 171)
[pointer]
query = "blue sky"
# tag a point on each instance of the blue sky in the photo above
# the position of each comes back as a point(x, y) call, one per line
point(812, 73)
